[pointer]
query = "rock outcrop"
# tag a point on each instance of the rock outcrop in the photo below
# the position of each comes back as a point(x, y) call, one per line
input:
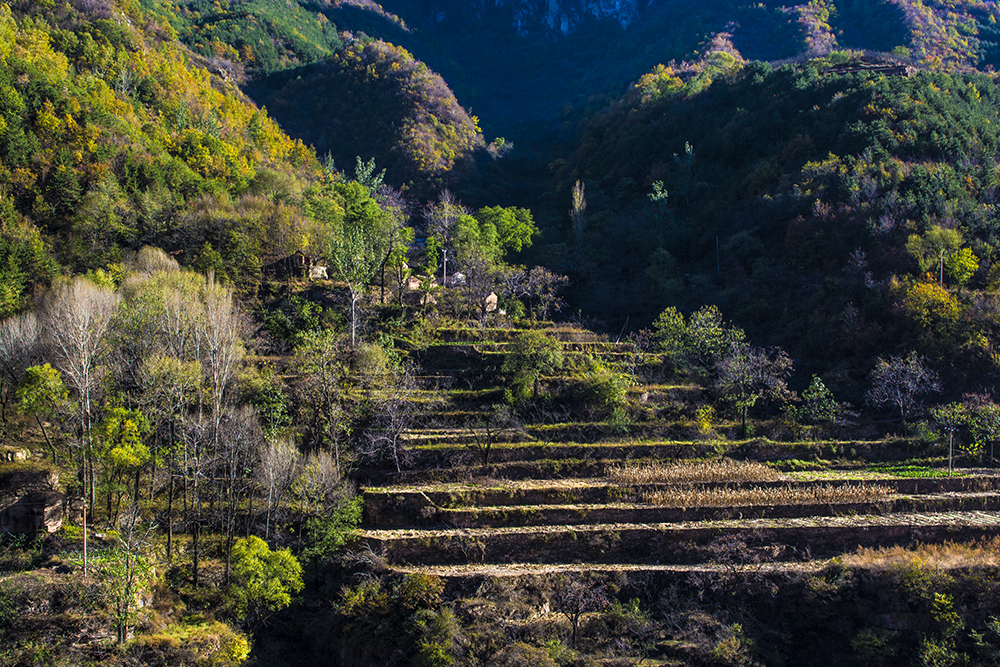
point(30, 499)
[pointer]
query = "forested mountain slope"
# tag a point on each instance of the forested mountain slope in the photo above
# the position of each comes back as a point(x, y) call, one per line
point(803, 201)
point(519, 60)
point(374, 99)
point(110, 133)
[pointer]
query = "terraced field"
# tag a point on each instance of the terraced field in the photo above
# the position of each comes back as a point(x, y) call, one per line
point(596, 520)
point(563, 495)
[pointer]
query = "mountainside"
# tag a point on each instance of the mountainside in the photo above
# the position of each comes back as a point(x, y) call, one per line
point(373, 99)
point(695, 364)
point(110, 131)
point(532, 16)
point(796, 200)
point(520, 65)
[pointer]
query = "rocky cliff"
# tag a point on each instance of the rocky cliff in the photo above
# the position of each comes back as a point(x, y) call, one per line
point(531, 17)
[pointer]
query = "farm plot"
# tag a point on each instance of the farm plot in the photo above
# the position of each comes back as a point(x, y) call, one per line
point(550, 491)
point(648, 515)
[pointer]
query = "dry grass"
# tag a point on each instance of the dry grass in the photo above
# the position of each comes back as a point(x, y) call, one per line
point(724, 470)
point(782, 495)
point(950, 555)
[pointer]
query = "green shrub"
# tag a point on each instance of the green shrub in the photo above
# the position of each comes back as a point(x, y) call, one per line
point(874, 646)
point(18, 552)
point(604, 389)
point(705, 417)
point(938, 654)
point(733, 648)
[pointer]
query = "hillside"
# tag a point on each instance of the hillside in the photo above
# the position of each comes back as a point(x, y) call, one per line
point(619, 515)
point(111, 135)
point(518, 63)
point(696, 365)
point(796, 200)
point(374, 99)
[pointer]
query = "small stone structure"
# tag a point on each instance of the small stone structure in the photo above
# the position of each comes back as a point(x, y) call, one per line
point(13, 454)
point(30, 500)
point(297, 265)
point(413, 295)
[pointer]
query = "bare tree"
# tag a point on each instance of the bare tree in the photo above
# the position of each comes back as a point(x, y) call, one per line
point(573, 598)
point(395, 237)
point(318, 485)
point(482, 276)
point(170, 380)
point(182, 313)
point(212, 333)
point(899, 381)
point(223, 346)
point(394, 411)
point(485, 431)
point(197, 465)
point(544, 286)
point(748, 374)
point(241, 439)
point(279, 460)
point(19, 349)
point(537, 285)
point(133, 331)
point(324, 363)
point(441, 217)
point(76, 318)
point(169, 385)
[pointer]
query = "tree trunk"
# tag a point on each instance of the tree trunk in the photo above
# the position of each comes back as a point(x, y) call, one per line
point(270, 504)
point(152, 470)
point(93, 482)
point(194, 552)
point(52, 448)
point(382, 279)
point(3, 414)
point(249, 522)
point(354, 319)
point(135, 494)
point(170, 523)
point(196, 527)
point(84, 532)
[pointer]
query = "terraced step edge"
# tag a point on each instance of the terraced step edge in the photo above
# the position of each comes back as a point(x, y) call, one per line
point(546, 515)
point(388, 506)
point(675, 543)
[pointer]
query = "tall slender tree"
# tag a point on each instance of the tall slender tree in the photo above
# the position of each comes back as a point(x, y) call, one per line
point(76, 317)
point(578, 210)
